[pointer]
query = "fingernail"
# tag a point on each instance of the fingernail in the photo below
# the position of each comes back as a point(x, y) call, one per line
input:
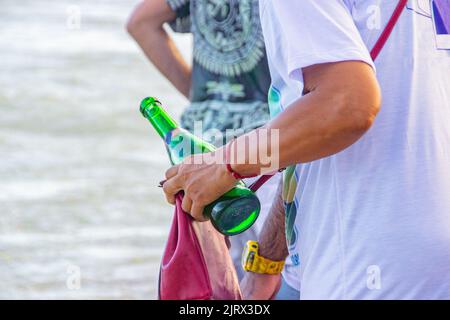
point(161, 183)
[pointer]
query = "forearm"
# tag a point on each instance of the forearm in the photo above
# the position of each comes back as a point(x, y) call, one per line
point(272, 245)
point(321, 123)
point(160, 49)
point(272, 239)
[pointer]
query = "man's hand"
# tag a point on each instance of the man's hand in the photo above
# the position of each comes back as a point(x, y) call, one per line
point(256, 286)
point(203, 180)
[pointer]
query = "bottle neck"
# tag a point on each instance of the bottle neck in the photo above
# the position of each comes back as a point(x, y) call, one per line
point(158, 117)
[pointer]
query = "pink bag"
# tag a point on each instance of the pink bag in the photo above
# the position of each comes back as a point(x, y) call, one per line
point(196, 264)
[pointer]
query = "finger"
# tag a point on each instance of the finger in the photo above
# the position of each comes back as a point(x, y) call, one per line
point(172, 172)
point(197, 212)
point(186, 204)
point(171, 188)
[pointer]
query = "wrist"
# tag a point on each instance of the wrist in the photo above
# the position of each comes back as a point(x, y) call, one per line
point(237, 164)
point(220, 158)
point(245, 170)
point(255, 153)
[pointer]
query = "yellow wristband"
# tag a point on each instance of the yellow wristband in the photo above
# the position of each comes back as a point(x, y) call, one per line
point(253, 262)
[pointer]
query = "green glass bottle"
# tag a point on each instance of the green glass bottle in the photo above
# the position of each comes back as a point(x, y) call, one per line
point(232, 213)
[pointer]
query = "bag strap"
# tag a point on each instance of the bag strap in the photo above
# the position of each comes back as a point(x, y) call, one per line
point(388, 29)
point(258, 183)
point(379, 45)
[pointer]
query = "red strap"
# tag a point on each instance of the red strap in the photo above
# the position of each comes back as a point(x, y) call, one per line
point(258, 183)
point(388, 30)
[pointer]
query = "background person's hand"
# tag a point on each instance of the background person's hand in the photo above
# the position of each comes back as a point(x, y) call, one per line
point(202, 179)
point(255, 286)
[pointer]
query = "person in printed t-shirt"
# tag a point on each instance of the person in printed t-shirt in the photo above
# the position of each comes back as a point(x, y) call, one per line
point(227, 84)
point(367, 146)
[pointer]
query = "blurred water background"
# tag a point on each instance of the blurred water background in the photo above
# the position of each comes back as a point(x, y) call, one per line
point(78, 164)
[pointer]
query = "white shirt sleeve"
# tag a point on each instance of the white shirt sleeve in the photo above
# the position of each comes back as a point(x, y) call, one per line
point(318, 31)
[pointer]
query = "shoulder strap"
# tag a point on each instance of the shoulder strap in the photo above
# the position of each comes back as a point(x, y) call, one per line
point(263, 179)
point(388, 30)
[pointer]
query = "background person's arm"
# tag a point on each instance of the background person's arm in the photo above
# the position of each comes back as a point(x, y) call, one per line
point(145, 25)
point(272, 245)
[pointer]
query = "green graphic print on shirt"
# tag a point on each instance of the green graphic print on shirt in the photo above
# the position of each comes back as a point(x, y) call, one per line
point(230, 73)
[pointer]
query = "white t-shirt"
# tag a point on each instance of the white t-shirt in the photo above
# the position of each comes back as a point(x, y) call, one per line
point(373, 221)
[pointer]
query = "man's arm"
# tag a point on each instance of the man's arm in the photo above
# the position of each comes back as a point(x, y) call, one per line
point(340, 104)
point(145, 25)
point(272, 239)
point(272, 245)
